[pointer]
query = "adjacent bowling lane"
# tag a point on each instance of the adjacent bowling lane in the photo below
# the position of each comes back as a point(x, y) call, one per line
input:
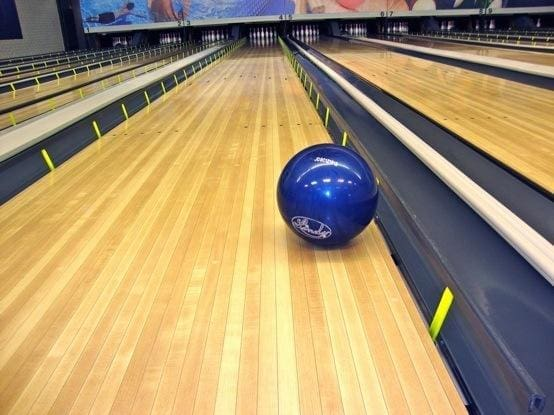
point(74, 87)
point(540, 58)
point(151, 273)
point(508, 120)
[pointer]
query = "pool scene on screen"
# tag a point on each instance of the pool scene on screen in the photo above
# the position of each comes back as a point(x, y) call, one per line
point(117, 12)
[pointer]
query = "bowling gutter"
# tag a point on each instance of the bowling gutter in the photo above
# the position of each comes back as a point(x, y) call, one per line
point(525, 198)
point(522, 237)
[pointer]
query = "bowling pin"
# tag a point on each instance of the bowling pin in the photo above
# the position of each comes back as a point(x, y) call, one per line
point(539, 22)
point(492, 25)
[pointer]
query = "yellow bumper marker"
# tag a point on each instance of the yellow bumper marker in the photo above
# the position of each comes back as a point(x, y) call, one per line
point(441, 313)
point(81, 93)
point(119, 79)
point(125, 111)
point(96, 129)
point(47, 159)
point(163, 87)
point(317, 102)
point(12, 119)
point(344, 138)
point(327, 117)
point(147, 97)
point(311, 87)
point(12, 87)
point(175, 78)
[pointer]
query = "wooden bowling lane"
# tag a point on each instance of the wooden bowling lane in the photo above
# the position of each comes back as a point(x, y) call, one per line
point(540, 58)
point(9, 99)
point(151, 273)
point(510, 121)
point(41, 69)
point(45, 105)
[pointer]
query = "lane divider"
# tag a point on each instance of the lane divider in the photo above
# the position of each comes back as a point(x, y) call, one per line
point(125, 111)
point(47, 159)
point(344, 138)
point(443, 308)
point(96, 129)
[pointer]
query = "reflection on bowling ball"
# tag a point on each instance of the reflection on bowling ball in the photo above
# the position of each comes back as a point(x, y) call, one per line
point(327, 194)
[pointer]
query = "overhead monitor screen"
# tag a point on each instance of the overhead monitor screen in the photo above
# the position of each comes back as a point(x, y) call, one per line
point(9, 20)
point(117, 12)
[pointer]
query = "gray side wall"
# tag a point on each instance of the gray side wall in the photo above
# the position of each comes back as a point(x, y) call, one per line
point(40, 26)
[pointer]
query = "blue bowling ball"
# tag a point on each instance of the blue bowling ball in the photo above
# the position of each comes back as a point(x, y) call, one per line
point(327, 194)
